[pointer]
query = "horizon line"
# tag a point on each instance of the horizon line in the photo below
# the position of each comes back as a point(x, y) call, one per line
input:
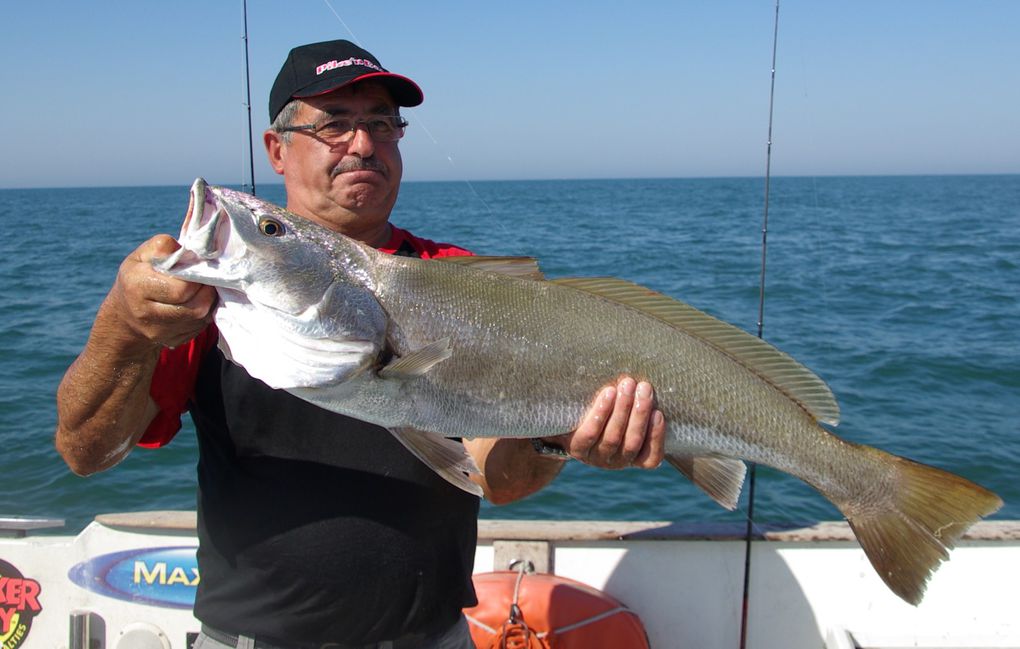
point(539, 180)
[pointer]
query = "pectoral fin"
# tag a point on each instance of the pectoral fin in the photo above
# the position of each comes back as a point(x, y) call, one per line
point(418, 362)
point(445, 456)
point(719, 477)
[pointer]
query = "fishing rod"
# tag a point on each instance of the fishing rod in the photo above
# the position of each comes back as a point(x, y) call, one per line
point(247, 99)
point(748, 531)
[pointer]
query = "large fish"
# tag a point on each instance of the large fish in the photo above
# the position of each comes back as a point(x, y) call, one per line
point(484, 347)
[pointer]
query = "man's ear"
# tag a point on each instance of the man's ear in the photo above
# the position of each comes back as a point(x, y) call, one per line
point(275, 149)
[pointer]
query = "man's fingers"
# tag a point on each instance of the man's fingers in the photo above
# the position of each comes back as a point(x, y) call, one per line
point(158, 247)
point(160, 308)
point(621, 428)
point(203, 300)
point(607, 451)
point(164, 289)
point(590, 429)
point(652, 451)
point(639, 416)
point(182, 303)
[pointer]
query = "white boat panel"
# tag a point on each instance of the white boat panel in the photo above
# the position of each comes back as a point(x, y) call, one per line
point(810, 587)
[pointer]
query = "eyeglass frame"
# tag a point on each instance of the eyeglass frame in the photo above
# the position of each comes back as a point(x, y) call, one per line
point(314, 128)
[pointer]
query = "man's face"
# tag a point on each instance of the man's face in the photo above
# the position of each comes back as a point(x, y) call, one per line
point(349, 187)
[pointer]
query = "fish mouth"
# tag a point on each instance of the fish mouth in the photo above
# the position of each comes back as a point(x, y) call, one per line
point(207, 247)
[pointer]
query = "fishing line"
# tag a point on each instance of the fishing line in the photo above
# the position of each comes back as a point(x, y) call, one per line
point(247, 101)
point(748, 532)
point(349, 30)
point(421, 124)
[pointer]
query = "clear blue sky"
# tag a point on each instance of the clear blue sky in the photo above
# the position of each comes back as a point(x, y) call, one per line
point(142, 92)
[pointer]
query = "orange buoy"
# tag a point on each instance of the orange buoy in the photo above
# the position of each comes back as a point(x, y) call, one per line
point(520, 610)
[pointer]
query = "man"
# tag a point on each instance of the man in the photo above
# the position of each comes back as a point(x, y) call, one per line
point(313, 528)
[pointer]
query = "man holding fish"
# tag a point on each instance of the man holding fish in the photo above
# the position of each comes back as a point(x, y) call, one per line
point(314, 527)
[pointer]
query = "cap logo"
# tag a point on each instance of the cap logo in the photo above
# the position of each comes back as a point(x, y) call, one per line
point(348, 62)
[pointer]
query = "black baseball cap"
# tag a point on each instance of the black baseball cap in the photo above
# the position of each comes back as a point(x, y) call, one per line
point(318, 68)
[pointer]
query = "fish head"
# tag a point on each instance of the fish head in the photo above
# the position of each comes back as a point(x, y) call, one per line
point(239, 243)
point(294, 307)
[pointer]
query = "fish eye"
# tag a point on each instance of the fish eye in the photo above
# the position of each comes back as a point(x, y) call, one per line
point(271, 228)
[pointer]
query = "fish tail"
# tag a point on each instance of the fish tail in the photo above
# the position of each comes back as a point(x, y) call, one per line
point(926, 510)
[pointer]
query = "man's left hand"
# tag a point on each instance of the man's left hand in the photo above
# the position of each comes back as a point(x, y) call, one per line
point(622, 428)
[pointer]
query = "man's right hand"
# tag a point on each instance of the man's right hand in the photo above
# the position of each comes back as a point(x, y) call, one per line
point(153, 307)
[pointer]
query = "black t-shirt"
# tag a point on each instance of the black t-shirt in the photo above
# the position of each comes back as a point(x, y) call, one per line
point(315, 527)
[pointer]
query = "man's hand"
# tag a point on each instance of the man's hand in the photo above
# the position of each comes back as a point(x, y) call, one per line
point(153, 307)
point(622, 428)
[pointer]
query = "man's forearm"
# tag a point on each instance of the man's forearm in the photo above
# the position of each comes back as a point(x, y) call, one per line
point(511, 468)
point(103, 403)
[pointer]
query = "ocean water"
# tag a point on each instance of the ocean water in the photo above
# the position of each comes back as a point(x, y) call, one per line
point(901, 292)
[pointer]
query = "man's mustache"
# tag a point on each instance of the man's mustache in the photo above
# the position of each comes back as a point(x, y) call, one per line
point(356, 163)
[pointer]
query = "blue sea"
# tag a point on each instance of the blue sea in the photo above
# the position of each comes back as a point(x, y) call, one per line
point(903, 293)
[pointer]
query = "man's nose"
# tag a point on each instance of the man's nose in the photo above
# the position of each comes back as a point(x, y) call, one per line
point(361, 142)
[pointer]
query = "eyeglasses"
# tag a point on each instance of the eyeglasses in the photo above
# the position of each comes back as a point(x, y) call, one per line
point(340, 130)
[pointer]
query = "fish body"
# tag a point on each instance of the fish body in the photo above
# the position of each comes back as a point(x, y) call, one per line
point(484, 347)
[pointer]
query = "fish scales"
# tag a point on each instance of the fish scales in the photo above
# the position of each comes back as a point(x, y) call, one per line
point(515, 338)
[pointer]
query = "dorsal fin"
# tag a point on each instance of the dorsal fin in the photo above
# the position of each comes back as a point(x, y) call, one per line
point(519, 267)
point(774, 366)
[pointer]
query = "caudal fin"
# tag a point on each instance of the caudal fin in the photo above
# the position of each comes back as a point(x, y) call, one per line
point(930, 509)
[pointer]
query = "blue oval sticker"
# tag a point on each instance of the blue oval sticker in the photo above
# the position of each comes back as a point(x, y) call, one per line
point(166, 577)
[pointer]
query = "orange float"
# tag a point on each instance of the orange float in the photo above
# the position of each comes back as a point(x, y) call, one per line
point(521, 610)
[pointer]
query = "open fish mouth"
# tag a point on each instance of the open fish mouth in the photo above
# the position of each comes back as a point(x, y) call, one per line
point(208, 244)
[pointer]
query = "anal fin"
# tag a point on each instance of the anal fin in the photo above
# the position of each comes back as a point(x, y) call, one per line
point(720, 477)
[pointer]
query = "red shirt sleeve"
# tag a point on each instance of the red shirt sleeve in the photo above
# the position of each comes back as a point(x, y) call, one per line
point(173, 384)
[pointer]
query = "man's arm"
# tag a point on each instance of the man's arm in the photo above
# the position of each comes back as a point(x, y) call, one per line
point(621, 428)
point(103, 402)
